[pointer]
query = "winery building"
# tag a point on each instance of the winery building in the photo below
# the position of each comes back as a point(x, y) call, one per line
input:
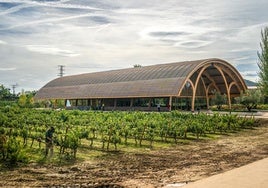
point(184, 85)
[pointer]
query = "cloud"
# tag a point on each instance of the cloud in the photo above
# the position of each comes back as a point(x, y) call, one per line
point(100, 19)
point(15, 9)
point(49, 20)
point(250, 73)
point(247, 67)
point(238, 50)
point(52, 4)
point(167, 33)
point(89, 36)
point(192, 44)
point(182, 36)
point(7, 68)
point(2, 42)
point(46, 49)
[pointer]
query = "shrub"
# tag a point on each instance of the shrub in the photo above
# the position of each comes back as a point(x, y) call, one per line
point(14, 153)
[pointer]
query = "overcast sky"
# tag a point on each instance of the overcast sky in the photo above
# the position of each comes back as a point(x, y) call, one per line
point(97, 35)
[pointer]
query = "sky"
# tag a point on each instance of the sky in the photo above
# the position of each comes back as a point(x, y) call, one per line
point(36, 36)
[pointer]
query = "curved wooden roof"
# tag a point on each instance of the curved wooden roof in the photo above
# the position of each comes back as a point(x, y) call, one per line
point(161, 80)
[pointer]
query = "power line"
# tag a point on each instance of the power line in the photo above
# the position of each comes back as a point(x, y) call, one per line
point(61, 70)
point(13, 88)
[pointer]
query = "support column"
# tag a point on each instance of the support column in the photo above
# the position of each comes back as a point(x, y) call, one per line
point(229, 92)
point(196, 84)
point(206, 91)
point(170, 103)
point(226, 86)
point(115, 101)
point(131, 102)
point(207, 98)
point(193, 96)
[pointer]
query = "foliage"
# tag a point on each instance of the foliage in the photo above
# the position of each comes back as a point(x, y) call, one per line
point(5, 93)
point(14, 153)
point(11, 149)
point(26, 99)
point(219, 99)
point(8, 103)
point(22, 100)
point(107, 131)
point(6, 97)
point(263, 62)
point(250, 99)
point(263, 106)
point(137, 66)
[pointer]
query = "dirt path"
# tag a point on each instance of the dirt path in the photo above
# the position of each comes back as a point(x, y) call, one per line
point(183, 163)
point(251, 175)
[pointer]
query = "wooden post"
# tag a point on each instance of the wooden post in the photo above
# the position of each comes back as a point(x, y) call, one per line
point(149, 105)
point(170, 103)
point(115, 101)
point(226, 86)
point(131, 102)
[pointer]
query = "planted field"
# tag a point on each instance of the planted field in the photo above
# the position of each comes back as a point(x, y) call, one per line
point(122, 148)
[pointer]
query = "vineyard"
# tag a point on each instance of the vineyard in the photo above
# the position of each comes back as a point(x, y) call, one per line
point(25, 128)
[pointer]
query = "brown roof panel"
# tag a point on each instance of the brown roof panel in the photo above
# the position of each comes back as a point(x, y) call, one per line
point(148, 81)
point(171, 70)
point(141, 88)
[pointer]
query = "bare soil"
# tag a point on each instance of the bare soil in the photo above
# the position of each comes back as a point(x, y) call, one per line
point(155, 168)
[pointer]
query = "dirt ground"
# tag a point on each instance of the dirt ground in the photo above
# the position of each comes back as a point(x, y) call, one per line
point(155, 168)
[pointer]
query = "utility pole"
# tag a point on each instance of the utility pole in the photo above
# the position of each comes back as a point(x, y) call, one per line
point(61, 70)
point(13, 88)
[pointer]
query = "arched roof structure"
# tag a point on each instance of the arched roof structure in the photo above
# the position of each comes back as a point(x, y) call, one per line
point(163, 80)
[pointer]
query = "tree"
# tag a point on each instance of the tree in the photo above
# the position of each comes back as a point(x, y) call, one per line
point(250, 99)
point(137, 66)
point(22, 100)
point(29, 100)
point(263, 63)
point(5, 93)
point(26, 99)
point(219, 99)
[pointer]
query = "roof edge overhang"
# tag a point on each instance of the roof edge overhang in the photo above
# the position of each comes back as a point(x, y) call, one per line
point(126, 97)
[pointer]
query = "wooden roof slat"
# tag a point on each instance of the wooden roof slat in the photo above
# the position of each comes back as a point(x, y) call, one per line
point(149, 81)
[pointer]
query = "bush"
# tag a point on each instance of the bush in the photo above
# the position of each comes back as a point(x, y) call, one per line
point(263, 106)
point(8, 103)
point(13, 153)
point(223, 108)
point(250, 99)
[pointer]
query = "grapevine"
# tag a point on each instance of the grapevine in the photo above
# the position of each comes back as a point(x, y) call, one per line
point(100, 130)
